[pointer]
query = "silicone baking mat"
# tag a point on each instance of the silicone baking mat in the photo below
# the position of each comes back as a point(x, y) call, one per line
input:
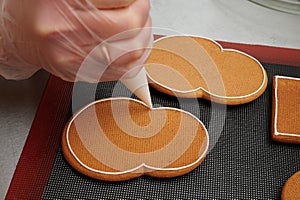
point(244, 163)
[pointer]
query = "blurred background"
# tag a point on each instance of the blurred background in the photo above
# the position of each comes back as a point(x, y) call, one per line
point(230, 20)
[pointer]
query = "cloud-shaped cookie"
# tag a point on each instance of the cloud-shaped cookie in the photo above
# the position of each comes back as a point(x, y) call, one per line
point(195, 67)
point(121, 138)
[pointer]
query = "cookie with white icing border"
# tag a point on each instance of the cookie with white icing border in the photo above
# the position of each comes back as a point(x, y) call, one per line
point(190, 66)
point(118, 139)
point(286, 109)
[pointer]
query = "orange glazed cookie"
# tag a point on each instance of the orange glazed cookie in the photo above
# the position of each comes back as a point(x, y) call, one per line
point(291, 189)
point(119, 139)
point(286, 109)
point(194, 67)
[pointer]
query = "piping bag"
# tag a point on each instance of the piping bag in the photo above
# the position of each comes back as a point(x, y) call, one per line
point(138, 83)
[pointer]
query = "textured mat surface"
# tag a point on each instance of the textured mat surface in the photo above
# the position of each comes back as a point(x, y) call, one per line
point(244, 163)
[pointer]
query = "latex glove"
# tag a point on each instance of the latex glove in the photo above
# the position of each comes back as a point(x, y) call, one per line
point(58, 35)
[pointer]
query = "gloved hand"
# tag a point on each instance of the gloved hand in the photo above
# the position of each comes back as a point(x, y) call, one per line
point(58, 35)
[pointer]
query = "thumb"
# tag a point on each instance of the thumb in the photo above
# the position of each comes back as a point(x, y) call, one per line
point(110, 4)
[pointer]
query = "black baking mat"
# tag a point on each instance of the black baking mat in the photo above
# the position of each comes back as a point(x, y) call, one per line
point(244, 163)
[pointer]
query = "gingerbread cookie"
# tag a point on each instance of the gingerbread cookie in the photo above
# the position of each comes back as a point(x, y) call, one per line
point(195, 67)
point(119, 139)
point(291, 189)
point(286, 109)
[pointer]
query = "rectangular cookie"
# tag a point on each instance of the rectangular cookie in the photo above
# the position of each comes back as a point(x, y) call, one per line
point(286, 109)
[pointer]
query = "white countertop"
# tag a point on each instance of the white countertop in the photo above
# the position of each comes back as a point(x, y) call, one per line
point(227, 20)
